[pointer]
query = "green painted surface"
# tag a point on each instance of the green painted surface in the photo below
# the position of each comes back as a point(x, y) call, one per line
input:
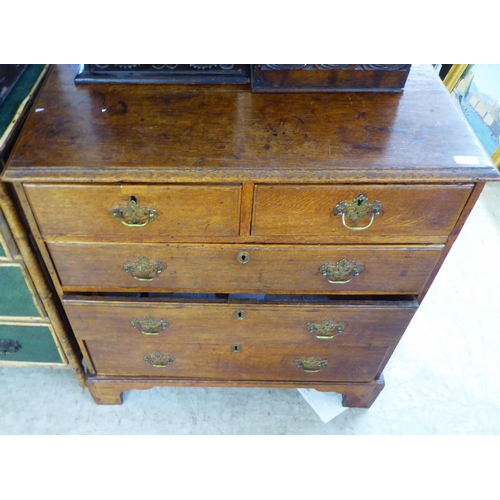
point(37, 344)
point(18, 93)
point(2, 249)
point(15, 296)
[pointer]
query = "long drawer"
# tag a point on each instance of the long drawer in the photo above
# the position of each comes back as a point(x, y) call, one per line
point(135, 213)
point(251, 362)
point(315, 322)
point(244, 269)
point(359, 213)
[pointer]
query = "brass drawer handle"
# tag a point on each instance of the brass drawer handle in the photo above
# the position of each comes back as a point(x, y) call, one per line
point(143, 269)
point(159, 360)
point(312, 364)
point(149, 325)
point(327, 329)
point(133, 215)
point(357, 209)
point(337, 273)
point(8, 346)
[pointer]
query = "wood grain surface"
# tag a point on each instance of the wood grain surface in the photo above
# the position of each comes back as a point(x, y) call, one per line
point(254, 362)
point(155, 133)
point(82, 212)
point(212, 323)
point(410, 213)
point(271, 269)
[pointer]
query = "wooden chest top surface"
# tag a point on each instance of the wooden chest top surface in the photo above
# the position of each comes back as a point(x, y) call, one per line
point(158, 133)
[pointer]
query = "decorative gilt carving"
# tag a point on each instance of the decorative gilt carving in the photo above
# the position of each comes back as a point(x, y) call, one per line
point(342, 272)
point(327, 329)
point(149, 325)
point(143, 269)
point(311, 364)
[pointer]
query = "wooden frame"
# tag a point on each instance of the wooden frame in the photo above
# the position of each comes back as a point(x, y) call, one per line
point(457, 75)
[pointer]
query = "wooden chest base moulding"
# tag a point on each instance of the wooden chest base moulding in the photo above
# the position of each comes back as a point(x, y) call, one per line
point(156, 207)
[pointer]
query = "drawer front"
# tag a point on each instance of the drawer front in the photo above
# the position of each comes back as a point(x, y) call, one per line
point(28, 343)
point(405, 214)
point(154, 213)
point(214, 268)
point(16, 297)
point(251, 362)
point(239, 323)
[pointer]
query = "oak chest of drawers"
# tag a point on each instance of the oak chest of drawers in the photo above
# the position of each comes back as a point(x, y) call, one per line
point(208, 236)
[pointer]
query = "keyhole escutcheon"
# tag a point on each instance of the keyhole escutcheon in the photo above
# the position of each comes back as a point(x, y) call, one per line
point(243, 257)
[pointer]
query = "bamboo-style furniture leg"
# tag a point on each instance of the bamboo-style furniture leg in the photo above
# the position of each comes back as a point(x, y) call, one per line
point(42, 289)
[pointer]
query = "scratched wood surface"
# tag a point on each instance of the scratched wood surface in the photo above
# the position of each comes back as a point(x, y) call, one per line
point(255, 361)
point(211, 322)
point(84, 211)
point(145, 133)
point(270, 269)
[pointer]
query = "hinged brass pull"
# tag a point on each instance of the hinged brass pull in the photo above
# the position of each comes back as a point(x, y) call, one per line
point(337, 273)
point(8, 346)
point(149, 325)
point(143, 269)
point(327, 329)
point(133, 215)
point(312, 364)
point(357, 209)
point(159, 360)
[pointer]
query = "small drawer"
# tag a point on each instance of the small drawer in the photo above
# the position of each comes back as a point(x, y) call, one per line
point(135, 213)
point(155, 358)
point(249, 269)
point(361, 213)
point(28, 343)
point(314, 323)
point(17, 295)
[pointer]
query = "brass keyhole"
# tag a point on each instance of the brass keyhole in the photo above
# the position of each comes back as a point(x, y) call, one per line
point(240, 314)
point(236, 348)
point(243, 257)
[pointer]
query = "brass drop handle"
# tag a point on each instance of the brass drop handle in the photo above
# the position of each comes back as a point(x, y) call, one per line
point(143, 269)
point(149, 325)
point(159, 360)
point(9, 346)
point(133, 215)
point(342, 272)
point(327, 329)
point(356, 210)
point(311, 364)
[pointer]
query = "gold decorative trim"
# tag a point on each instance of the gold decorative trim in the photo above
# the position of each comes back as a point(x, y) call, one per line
point(496, 157)
point(451, 79)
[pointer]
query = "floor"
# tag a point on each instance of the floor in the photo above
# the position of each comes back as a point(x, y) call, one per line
point(444, 377)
